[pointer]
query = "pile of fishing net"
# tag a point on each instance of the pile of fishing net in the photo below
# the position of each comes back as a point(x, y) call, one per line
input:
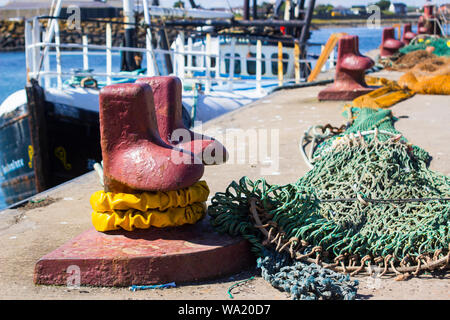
point(409, 60)
point(369, 204)
point(431, 76)
point(389, 93)
point(426, 73)
point(441, 45)
point(420, 49)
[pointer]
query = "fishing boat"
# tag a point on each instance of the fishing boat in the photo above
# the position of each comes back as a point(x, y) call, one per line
point(49, 131)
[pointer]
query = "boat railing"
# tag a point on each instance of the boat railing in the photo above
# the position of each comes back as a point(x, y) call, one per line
point(443, 23)
point(41, 46)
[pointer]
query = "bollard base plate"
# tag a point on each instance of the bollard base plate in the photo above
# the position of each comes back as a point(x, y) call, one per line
point(338, 94)
point(153, 256)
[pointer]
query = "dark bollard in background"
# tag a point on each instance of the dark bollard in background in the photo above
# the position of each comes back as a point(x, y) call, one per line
point(349, 80)
point(408, 35)
point(389, 45)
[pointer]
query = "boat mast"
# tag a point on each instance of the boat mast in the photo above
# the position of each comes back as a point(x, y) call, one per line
point(255, 10)
point(246, 9)
point(128, 61)
point(55, 10)
point(304, 36)
point(193, 4)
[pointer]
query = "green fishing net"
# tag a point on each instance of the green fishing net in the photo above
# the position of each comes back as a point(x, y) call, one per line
point(441, 46)
point(366, 195)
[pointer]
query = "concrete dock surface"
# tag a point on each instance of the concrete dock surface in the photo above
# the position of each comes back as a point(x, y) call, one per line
point(30, 232)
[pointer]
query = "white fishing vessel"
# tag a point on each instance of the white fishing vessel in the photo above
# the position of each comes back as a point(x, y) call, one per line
point(49, 131)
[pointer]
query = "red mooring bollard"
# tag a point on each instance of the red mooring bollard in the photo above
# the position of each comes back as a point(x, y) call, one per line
point(389, 45)
point(349, 80)
point(167, 93)
point(422, 28)
point(135, 158)
point(408, 35)
point(428, 11)
point(427, 22)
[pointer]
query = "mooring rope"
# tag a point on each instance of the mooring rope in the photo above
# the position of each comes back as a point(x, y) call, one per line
point(305, 281)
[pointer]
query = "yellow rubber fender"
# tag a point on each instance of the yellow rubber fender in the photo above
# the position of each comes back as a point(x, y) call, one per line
point(132, 219)
point(108, 201)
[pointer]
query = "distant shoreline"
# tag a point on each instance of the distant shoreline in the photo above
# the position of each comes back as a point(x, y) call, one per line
point(332, 23)
point(12, 32)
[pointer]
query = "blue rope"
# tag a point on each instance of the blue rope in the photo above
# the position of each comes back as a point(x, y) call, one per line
point(236, 284)
point(305, 281)
point(156, 286)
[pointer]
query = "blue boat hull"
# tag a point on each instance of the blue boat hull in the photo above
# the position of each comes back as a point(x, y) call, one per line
point(40, 152)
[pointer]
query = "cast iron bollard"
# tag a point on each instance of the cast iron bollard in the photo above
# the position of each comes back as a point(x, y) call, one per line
point(152, 190)
point(167, 93)
point(135, 158)
point(408, 35)
point(389, 45)
point(427, 22)
point(349, 80)
point(423, 27)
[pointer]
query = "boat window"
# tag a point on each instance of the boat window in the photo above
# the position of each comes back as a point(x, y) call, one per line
point(251, 64)
point(237, 63)
point(193, 59)
point(194, 62)
point(274, 58)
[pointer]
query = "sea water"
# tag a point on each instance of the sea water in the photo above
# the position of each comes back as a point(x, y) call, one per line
point(13, 67)
point(369, 38)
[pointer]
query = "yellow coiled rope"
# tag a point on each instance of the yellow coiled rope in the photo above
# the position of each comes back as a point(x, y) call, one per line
point(113, 211)
point(384, 97)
